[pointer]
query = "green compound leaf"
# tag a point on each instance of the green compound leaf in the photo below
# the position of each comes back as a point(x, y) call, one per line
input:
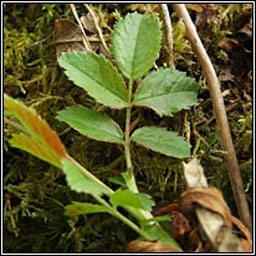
point(79, 182)
point(92, 124)
point(166, 91)
point(162, 141)
point(136, 43)
point(78, 208)
point(128, 198)
point(97, 76)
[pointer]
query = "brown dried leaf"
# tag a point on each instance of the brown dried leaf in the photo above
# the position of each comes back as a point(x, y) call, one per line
point(195, 7)
point(226, 241)
point(88, 22)
point(179, 225)
point(167, 209)
point(68, 36)
point(144, 246)
point(246, 243)
point(210, 222)
point(195, 242)
point(208, 197)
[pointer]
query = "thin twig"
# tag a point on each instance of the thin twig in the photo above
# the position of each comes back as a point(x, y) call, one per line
point(98, 28)
point(220, 113)
point(186, 128)
point(164, 12)
point(75, 40)
point(197, 134)
point(85, 39)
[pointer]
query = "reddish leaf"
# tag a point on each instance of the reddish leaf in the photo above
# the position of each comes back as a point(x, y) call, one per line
point(41, 140)
point(36, 148)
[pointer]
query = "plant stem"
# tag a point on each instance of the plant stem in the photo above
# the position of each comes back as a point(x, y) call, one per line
point(137, 213)
point(130, 181)
point(164, 12)
point(85, 39)
point(96, 23)
point(125, 220)
point(132, 184)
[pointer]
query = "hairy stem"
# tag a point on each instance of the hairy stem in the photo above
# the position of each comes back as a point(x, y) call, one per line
point(132, 184)
point(138, 214)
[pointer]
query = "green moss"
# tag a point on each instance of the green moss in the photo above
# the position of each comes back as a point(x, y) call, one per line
point(36, 193)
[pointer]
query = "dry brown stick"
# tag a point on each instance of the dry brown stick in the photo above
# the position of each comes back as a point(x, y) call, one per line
point(85, 39)
point(168, 32)
point(98, 28)
point(220, 113)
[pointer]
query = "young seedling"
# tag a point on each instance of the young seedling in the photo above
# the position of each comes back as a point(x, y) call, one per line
point(135, 45)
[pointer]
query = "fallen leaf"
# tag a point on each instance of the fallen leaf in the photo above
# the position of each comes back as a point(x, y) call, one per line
point(208, 197)
point(247, 242)
point(247, 246)
point(88, 22)
point(180, 226)
point(194, 7)
point(144, 246)
point(67, 36)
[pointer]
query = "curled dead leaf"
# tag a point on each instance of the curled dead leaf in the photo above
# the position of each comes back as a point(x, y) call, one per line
point(247, 246)
point(179, 225)
point(145, 246)
point(208, 197)
point(247, 242)
point(195, 242)
point(167, 209)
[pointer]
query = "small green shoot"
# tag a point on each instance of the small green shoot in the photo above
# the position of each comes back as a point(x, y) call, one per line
point(135, 46)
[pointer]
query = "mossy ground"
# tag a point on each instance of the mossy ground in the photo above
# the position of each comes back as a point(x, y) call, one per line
point(36, 193)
